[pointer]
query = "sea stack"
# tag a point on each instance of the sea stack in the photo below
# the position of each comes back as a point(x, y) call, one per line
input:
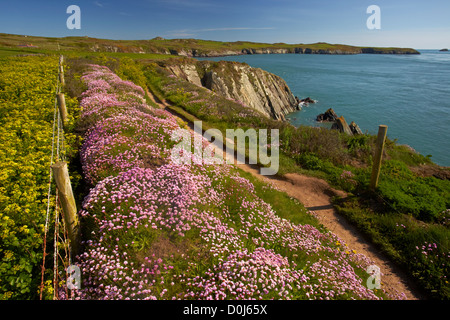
point(355, 128)
point(341, 125)
point(328, 116)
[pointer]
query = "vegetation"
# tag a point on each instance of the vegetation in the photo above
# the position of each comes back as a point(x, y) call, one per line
point(345, 161)
point(407, 216)
point(27, 95)
point(158, 230)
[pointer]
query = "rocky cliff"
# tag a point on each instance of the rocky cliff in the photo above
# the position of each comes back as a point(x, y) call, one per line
point(347, 50)
point(258, 89)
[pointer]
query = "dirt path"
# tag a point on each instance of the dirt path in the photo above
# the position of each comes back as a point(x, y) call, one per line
point(315, 194)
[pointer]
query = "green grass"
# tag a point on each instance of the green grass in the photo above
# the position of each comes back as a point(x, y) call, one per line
point(402, 238)
point(6, 51)
point(285, 206)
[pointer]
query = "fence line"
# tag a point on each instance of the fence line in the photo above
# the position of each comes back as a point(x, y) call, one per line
point(58, 152)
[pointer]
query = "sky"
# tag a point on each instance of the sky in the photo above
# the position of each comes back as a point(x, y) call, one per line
point(415, 24)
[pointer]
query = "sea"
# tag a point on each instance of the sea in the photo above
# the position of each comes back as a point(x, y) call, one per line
point(408, 93)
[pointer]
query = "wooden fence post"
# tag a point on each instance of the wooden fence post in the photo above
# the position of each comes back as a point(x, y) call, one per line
point(61, 61)
point(62, 106)
point(67, 200)
point(378, 155)
point(61, 79)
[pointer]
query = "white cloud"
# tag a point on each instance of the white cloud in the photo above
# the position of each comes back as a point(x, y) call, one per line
point(98, 4)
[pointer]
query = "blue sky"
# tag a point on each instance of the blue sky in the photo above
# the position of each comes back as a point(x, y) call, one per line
point(414, 23)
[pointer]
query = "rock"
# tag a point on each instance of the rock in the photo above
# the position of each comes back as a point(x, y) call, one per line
point(443, 50)
point(342, 126)
point(256, 88)
point(328, 116)
point(306, 101)
point(355, 128)
point(303, 102)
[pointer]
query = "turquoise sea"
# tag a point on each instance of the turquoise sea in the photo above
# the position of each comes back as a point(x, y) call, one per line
point(408, 93)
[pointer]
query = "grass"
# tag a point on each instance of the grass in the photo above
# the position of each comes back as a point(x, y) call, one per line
point(285, 206)
point(6, 51)
point(421, 248)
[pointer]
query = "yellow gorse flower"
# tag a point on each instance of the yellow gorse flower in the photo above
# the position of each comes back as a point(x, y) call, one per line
point(27, 97)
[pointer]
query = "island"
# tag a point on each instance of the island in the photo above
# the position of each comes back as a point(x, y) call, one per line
point(443, 50)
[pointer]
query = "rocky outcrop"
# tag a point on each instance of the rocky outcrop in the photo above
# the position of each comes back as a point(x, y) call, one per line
point(327, 116)
point(443, 50)
point(258, 89)
point(305, 101)
point(354, 128)
point(339, 123)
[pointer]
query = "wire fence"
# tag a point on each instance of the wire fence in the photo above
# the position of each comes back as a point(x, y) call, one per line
point(60, 244)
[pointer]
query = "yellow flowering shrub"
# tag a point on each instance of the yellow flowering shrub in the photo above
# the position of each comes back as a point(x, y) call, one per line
point(27, 97)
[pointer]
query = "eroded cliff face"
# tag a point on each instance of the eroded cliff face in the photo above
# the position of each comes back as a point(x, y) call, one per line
point(346, 50)
point(257, 88)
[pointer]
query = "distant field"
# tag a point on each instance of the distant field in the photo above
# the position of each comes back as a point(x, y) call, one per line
point(7, 51)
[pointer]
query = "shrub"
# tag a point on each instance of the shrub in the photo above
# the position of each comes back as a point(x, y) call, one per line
point(423, 198)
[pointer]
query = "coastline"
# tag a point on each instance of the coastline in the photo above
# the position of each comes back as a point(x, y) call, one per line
point(189, 47)
point(299, 50)
point(305, 78)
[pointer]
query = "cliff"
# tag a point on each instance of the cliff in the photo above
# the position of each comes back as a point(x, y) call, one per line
point(332, 50)
point(258, 89)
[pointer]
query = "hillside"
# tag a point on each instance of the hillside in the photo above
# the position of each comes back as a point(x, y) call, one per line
point(186, 47)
